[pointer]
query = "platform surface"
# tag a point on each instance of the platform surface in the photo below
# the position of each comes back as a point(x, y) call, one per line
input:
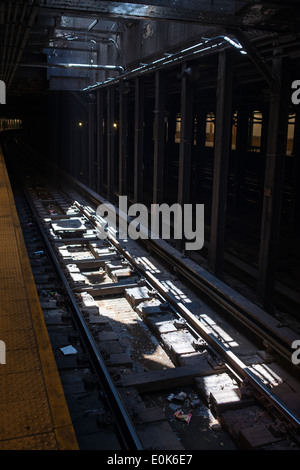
point(33, 410)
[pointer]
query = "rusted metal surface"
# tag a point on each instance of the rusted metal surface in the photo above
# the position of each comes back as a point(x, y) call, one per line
point(63, 30)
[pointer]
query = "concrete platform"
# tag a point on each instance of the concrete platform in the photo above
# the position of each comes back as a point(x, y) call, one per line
point(33, 409)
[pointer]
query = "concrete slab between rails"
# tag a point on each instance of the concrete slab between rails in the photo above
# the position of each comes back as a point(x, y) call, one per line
point(166, 378)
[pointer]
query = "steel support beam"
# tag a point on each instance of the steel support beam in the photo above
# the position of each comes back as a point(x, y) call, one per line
point(100, 140)
point(273, 186)
point(240, 154)
point(223, 129)
point(20, 49)
point(91, 144)
point(296, 176)
point(110, 142)
point(257, 59)
point(198, 153)
point(56, 128)
point(263, 151)
point(75, 139)
point(138, 140)
point(171, 149)
point(159, 137)
point(196, 13)
point(82, 149)
point(185, 148)
point(132, 10)
point(123, 115)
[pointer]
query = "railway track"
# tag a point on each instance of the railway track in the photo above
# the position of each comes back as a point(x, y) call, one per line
point(167, 361)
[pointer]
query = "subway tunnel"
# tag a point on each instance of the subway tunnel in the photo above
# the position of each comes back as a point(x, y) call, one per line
point(178, 103)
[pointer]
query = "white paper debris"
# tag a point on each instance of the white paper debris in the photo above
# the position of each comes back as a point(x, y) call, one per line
point(68, 350)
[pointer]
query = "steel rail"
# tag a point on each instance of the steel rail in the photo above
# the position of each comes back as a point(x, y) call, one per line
point(230, 359)
point(206, 284)
point(224, 302)
point(234, 364)
point(125, 428)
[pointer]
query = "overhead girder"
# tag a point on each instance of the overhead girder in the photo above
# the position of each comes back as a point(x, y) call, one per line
point(20, 19)
point(246, 15)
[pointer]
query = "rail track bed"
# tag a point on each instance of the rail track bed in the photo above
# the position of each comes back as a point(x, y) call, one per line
point(146, 361)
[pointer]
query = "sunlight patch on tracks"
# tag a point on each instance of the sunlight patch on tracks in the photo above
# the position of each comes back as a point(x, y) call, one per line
point(178, 293)
point(266, 375)
point(146, 264)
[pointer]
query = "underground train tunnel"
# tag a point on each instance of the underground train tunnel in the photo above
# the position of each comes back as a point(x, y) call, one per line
point(189, 111)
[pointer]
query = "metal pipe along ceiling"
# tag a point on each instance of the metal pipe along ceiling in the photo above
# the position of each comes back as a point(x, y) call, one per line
point(119, 68)
point(7, 18)
point(14, 43)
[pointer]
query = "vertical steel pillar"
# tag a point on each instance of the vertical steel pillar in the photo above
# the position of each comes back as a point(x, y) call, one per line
point(81, 148)
point(263, 152)
point(296, 176)
point(71, 137)
point(171, 151)
point(223, 131)
point(240, 154)
point(56, 128)
point(199, 153)
point(84, 146)
point(273, 187)
point(62, 132)
point(123, 114)
point(91, 144)
point(100, 140)
point(185, 148)
point(186, 135)
point(159, 137)
point(76, 140)
point(110, 142)
point(138, 140)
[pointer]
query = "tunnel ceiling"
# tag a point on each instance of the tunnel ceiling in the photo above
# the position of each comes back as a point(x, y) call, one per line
point(71, 44)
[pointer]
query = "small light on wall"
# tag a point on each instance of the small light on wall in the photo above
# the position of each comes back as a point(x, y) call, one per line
point(80, 124)
point(115, 125)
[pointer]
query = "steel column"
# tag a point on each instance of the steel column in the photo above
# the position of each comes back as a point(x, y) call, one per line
point(76, 141)
point(296, 176)
point(171, 151)
point(84, 147)
point(91, 144)
point(223, 131)
point(273, 187)
point(123, 114)
point(159, 137)
point(198, 153)
point(263, 152)
point(100, 140)
point(138, 139)
point(240, 155)
point(185, 148)
point(110, 142)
